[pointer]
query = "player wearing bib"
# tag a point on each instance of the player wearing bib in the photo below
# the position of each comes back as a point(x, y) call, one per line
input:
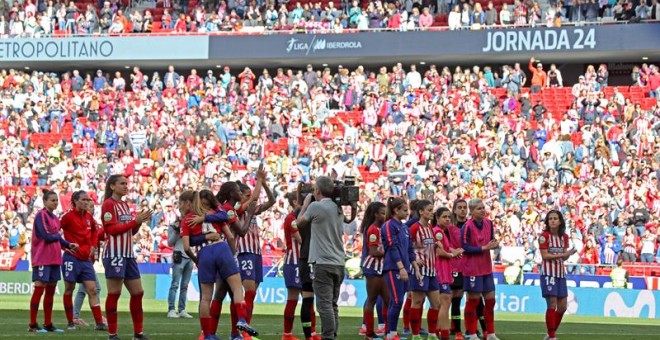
point(372, 264)
point(446, 253)
point(46, 256)
point(478, 239)
point(77, 267)
point(290, 267)
point(399, 255)
point(213, 260)
point(118, 257)
point(554, 245)
point(424, 282)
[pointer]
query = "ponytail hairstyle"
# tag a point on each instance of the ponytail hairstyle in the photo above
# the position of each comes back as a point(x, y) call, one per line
point(226, 191)
point(414, 211)
point(208, 195)
point(193, 197)
point(393, 203)
point(454, 220)
point(438, 213)
point(76, 196)
point(112, 180)
point(562, 223)
point(370, 215)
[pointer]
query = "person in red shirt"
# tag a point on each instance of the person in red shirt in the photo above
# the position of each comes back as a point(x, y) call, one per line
point(539, 77)
point(589, 258)
point(79, 227)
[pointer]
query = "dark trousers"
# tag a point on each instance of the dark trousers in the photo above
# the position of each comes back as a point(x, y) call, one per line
point(327, 281)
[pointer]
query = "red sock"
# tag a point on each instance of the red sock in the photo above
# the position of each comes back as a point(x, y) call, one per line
point(415, 320)
point(214, 319)
point(249, 304)
point(385, 307)
point(550, 322)
point(471, 316)
point(241, 313)
point(98, 315)
point(234, 319)
point(136, 312)
point(289, 315)
point(34, 303)
point(444, 334)
point(432, 320)
point(369, 322)
point(558, 317)
point(111, 312)
point(204, 323)
point(312, 313)
point(68, 307)
point(406, 313)
point(489, 315)
point(48, 305)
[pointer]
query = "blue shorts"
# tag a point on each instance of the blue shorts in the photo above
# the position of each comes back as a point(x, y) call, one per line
point(444, 288)
point(427, 284)
point(216, 260)
point(553, 286)
point(370, 273)
point(46, 273)
point(396, 287)
point(292, 276)
point(121, 268)
point(75, 270)
point(479, 284)
point(251, 266)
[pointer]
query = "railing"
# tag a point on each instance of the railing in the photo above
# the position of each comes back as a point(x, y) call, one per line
point(638, 269)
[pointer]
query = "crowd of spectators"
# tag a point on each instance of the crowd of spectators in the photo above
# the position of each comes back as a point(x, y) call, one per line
point(36, 18)
point(434, 134)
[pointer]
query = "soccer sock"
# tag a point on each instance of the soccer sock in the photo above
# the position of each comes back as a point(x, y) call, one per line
point(137, 315)
point(480, 315)
point(48, 305)
point(471, 316)
point(214, 316)
point(558, 317)
point(415, 320)
point(379, 311)
point(305, 316)
point(241, 313)
point(369, 323)
point(68, 307)
point(432, 320)
point(406, 312)
point(385, 307)
point(444, 334)
point(489, 315)
point(34, 303)
point(289, 315)
point(98, 315)
point(234, 319)
point(204, 323)
point(111, 312)
point(550, 322)
point(312, 317)
point(456, 314)
point(249, 304)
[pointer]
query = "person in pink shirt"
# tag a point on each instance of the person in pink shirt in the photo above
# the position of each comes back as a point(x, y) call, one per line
point(443, 266)
point(425, 19)
point(46, 256)
point(478, 238)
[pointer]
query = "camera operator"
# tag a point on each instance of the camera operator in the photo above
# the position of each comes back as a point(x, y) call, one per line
point(324, 220)
point(182, 268)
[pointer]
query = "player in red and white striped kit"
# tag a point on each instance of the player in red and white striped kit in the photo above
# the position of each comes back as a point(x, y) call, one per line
point(290, 267)
point(554, 245)
point(118, 257)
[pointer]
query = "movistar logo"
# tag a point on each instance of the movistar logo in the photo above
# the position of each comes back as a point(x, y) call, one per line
point(616, 306)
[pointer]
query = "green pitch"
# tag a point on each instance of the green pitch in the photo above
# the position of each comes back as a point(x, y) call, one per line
point(14, 318)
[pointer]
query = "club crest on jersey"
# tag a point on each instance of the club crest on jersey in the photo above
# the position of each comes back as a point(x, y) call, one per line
point(89, 223)
point(107, 217)
point(373, 238)
point(542, 239)
point(231, 215)
point(438, 236)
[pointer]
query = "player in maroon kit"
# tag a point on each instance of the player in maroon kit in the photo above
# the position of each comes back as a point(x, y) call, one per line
point(79, 227)
point(554, 245)
point(118, 256)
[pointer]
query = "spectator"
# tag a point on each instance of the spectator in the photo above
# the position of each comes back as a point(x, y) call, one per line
point(454, 20)
point(539, 77)
point(491, 15)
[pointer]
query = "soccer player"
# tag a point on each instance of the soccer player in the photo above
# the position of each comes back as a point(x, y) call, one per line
point(372, 264)
point(399, 255)
point(46, 256)
point(118, 257)
point(478, 239)
point(290, 268)
point(78, 267)
point(412, 207)
point(554, 245)
point(446, 253)
point(424, 282)
point(214, 259)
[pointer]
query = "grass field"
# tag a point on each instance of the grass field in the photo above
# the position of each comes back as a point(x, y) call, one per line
point(14, 319)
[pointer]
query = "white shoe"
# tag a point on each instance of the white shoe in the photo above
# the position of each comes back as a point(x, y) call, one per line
point(184, 315)
point(172, 314)
point(492, 337)
point(472, 337)
point(546, 337)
